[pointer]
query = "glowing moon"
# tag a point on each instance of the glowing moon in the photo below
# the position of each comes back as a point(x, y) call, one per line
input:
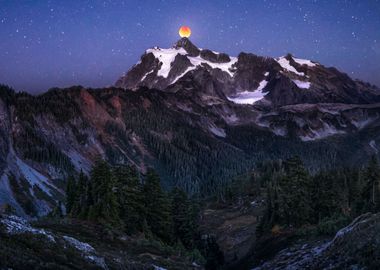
point(184, 31)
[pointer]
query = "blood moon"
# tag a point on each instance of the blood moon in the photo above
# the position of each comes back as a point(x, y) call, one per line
point(184, 31)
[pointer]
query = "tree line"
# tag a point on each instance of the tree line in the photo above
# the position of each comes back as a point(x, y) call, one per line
point(295, 198)
point(123, 198)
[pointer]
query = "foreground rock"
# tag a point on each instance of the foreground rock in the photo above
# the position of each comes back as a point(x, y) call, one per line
point(233, 227)
point(356, 246)
point(80, 245)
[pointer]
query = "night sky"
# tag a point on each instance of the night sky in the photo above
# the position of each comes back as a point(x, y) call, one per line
point(45, 44)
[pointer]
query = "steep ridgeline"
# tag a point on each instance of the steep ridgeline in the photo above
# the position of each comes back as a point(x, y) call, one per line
point(288, 94)
point(198, 117)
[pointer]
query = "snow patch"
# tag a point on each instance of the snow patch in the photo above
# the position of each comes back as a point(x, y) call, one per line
point(84, 247)
point(17, 225)
point(155, 267)
point(248, 97)
point(87, 250)
point(79, 162)
point(326, 131)
point(359, 124)
point(183, 73)
point(372, 143)
point(302, 84)
point(167, 56)
point(143, 78)
point(279, 131)
point(34, 177)
point(304, 62)
point(226, 67)
point(217, 131)
point(285, 64)
point(230, 119)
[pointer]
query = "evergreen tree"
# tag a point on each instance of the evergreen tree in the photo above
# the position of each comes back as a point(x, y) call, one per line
point(327, 195)
point(371, 192)
point(211, 251)
point(105, 206)
point(295, 207)
point(130, 198)
point(71, 193)
point(157, 207)
point(183, 215)
point(80, 207)
point(354, 191)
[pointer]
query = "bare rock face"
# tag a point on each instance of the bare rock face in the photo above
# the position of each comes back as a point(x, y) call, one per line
point(189, 47)
point(353, 247)
point(215, 57)
point(147, 62)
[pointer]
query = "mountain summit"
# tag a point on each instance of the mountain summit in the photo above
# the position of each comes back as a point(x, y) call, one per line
point(248, 78)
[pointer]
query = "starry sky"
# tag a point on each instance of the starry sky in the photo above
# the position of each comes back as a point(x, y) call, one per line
point(45, 44)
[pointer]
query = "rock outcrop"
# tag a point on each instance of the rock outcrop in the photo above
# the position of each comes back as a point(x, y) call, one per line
point(353, 247)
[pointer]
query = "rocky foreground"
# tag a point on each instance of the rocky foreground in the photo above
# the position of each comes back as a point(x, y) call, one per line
point(73, 244)
point(353, 247)
point(81, 245)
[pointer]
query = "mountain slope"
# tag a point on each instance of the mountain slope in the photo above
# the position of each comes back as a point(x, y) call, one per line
point(186, 112)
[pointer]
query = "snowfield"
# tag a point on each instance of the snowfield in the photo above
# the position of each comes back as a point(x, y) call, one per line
point(248, 97)
point(285, 64)
point(167, 56)
point(302, 84)
point(304, 62)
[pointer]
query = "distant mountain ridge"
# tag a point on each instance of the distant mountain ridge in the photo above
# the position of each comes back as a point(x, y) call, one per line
point(281, 81)
point(198, 117)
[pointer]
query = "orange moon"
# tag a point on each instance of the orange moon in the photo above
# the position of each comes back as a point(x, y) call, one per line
point(184, 31)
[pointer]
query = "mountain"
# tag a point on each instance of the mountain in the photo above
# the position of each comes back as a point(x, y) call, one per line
point(279, 89)
point(198, 117)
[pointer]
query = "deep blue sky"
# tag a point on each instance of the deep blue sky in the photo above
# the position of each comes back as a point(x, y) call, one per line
point(44, 44)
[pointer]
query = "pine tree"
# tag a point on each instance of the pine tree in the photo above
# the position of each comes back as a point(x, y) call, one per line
point(105, 207)
point(130, 198)
point(184, 227)
point(355, 188)
point(295, 207)
point(371, 192)
point(80, 206)
point(157, 207)
point(71, 193)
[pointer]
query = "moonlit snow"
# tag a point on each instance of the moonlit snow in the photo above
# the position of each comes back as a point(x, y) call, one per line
point(302, 84)
point(167, 56)
point(304, 62)
point(247, 97)
point(18, 225)
point(285, 64)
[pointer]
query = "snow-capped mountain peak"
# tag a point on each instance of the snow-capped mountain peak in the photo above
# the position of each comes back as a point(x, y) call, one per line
point(246, 79)
point(160, 67)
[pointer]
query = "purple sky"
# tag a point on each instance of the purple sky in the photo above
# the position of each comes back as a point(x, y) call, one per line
point(46, 44)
